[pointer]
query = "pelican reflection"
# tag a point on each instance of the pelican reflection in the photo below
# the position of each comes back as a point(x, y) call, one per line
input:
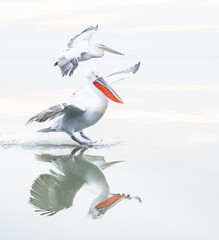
point(55, 191)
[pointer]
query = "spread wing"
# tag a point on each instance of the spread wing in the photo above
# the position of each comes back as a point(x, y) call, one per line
point(68, 61)
point(118, 76)
point(55, 111)
point(51, 193)
point(83, 36)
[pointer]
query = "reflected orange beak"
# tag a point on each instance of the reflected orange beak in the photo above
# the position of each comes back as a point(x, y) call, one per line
point(103, 207)
point(109, 201)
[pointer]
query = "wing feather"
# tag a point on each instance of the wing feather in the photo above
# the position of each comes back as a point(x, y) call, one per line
point(55, 111)
point(83, 36)
point(118, 76)
point(48, 194)
point(67, 66)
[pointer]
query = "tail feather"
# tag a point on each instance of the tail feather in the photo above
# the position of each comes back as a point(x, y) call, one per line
point(49, 129)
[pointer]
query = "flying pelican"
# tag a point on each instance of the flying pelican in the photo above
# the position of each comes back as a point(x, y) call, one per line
point(80, 49)
point(85, 107)
point(51, 193)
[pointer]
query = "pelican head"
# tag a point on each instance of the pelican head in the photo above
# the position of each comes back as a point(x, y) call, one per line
point(102, 86)
point(97, 211)
point(107, 49)
point(103, 207)
point(99, 207)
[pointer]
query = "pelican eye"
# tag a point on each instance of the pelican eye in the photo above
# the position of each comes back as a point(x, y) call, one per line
point(96, 76)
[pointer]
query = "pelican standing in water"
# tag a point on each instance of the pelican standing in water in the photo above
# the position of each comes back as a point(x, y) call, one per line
point(80, 49)
point(51, 193)
point(85, 107)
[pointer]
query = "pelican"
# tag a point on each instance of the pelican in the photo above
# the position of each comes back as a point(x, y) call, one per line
point(85, 107)
point(80, 49)
point(51, 193)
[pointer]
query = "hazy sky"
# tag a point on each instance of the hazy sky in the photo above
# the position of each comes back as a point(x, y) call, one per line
point(168, 126)
point(150, 27)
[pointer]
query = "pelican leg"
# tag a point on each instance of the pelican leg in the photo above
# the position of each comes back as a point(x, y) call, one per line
point(74, 62)
point(80, 142)
point(85, 137)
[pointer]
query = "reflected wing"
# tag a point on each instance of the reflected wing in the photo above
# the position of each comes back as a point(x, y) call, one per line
point(55, 111)
point(83, 36)
point(47, 194)
point(108, 164)
point(94, 159)
point(99, 161)
point(118, 76)
point(51, 193)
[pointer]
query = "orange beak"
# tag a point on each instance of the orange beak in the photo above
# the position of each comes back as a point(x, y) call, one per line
point(105, 88)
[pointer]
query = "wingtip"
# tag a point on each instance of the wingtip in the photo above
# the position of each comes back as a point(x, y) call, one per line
point(28, 122)
point(136, 67)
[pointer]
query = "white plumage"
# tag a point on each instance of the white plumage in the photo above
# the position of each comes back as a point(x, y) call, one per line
point(85, 107)
point(80, 49)
point(51, 193)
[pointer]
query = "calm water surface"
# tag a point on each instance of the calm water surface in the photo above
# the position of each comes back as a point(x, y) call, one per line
point(168, 144)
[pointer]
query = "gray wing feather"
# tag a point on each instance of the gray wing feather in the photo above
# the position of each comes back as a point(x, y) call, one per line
point(118, 76)
point(133, 69)
point(67, 66)
point(46, 114)
point(54, 112)
point(72, 40)
point(49, 194)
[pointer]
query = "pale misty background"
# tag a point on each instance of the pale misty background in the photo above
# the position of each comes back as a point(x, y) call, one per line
point(168, 125)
